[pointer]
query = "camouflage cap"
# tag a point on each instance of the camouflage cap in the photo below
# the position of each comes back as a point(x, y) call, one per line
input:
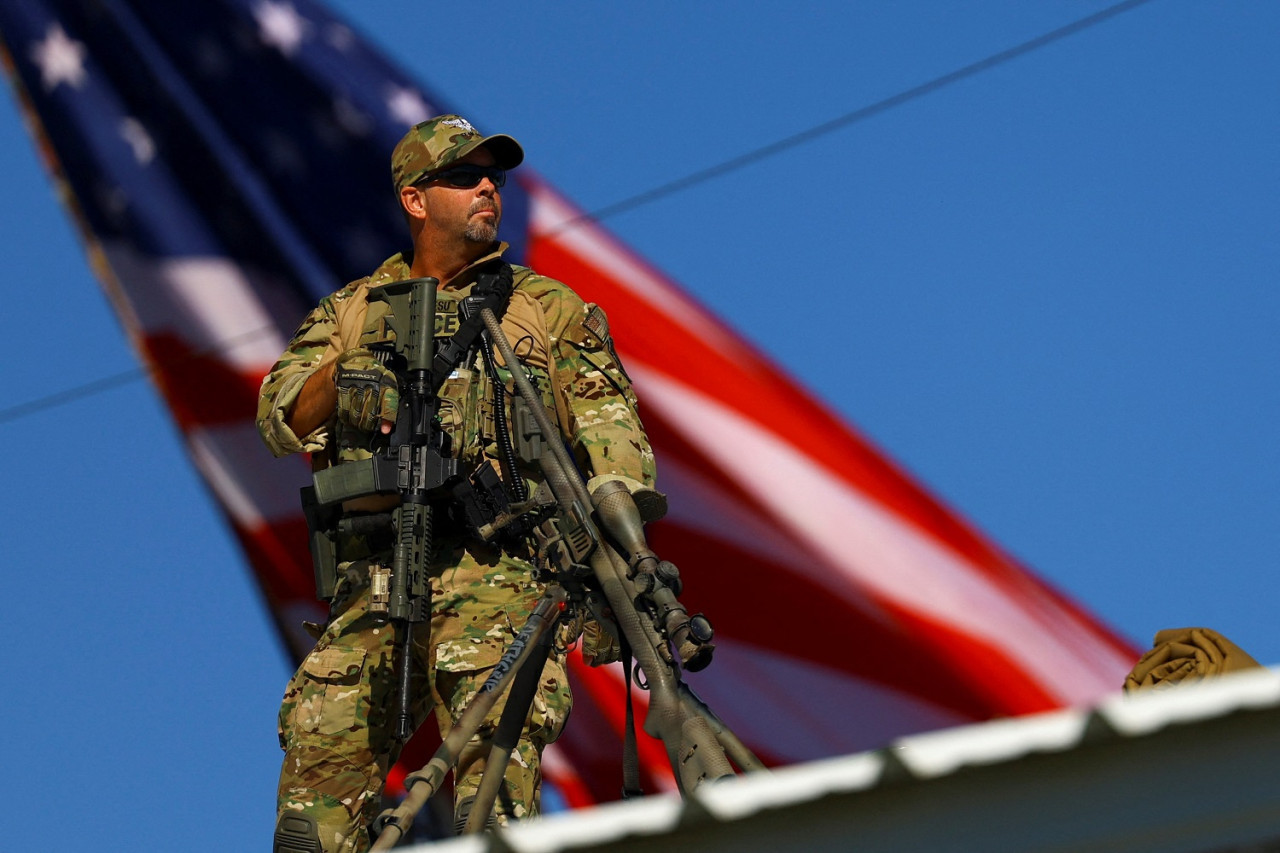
point(435, 143)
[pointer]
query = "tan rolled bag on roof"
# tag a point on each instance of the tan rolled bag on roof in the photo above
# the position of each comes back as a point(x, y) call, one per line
point(1187, 654)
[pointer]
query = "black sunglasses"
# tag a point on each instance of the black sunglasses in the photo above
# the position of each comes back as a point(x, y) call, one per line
point(467, 176)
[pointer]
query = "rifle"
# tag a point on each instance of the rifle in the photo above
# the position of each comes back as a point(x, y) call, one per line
point(637, 594)
point(696, 742)
point(414, 465)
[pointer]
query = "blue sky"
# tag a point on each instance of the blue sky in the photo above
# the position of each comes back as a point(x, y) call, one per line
point(1048, 291)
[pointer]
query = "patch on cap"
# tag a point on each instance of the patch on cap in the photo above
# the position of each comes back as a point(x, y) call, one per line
point(432, 145)
point(459, 122)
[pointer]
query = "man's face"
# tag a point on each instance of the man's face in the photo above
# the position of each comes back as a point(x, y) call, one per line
point(472, 213)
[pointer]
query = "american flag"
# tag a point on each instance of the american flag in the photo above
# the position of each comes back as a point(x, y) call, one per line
point(226, 164)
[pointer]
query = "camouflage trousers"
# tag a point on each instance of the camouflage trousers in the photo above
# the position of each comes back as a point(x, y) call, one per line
point(338, 713)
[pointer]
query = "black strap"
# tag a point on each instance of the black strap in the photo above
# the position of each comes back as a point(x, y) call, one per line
point(506, 446)
point(492, 290)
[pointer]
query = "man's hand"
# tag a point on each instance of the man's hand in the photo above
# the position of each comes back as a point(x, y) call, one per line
point(368, 394)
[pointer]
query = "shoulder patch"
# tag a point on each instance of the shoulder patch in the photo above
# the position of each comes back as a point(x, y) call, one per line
point(596, 323)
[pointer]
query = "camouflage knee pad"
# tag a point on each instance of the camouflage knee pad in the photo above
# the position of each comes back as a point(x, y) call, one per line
point(340, 793)
point(296, 833)
point(325, 830)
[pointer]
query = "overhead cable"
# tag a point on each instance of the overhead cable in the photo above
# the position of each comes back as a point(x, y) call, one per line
point(701, 176)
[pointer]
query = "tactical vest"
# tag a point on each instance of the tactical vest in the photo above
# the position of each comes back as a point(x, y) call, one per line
point(467, 396)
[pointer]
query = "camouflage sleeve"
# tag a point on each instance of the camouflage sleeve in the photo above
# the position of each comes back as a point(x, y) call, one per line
point(606, 421)
point(280, 388)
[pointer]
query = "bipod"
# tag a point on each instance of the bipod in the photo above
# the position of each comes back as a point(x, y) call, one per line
point(694, 756)
point(507, 735)
point(511, 725)
point(531, 644)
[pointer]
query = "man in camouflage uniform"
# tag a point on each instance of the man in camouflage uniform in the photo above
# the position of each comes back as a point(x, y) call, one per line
point(330, 396)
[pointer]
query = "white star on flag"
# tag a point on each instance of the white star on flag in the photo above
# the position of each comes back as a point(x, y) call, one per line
point(144, 149)
point(280, 25)
point(60, 59)
point(407, 106)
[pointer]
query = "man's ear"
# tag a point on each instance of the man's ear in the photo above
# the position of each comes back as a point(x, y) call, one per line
point(413, 203)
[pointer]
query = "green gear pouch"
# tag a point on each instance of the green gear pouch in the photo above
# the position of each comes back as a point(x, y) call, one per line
point(322, 522)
